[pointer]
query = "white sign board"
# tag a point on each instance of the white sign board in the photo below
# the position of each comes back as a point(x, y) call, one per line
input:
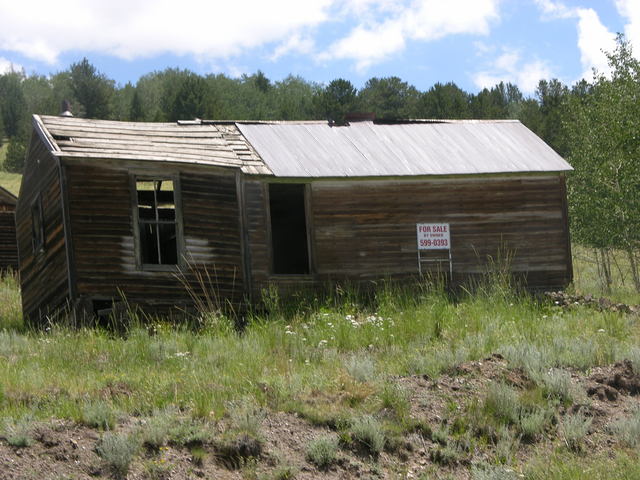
point(433, 236)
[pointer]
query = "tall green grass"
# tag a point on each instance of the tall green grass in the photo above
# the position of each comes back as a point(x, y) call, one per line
point(280, 360)
point(586, 280)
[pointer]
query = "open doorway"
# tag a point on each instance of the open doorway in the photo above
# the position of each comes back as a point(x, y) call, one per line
point(288, 228)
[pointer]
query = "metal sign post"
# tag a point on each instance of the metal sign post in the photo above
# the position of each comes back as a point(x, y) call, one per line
point(434, 236)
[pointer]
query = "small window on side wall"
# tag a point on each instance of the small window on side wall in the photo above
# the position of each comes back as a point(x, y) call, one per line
point(157, 222)
point(37, 225)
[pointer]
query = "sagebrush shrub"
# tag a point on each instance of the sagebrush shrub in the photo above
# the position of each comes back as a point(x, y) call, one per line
point(368, 433)
point(117, 451)
point(574, 428)
point(99, 414)
point(361, 368)
point(627, 430)
point(502, 403)
point(322, 451)
point(18, 433)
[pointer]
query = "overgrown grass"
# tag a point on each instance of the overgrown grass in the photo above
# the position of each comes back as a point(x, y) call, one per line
point(334, 361)
point(279, 362)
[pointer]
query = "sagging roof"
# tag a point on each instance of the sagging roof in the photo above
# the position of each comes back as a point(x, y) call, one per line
point(313, 149)
point(211, 144)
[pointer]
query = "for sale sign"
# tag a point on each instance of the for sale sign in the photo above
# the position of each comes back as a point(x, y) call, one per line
point(433, 236)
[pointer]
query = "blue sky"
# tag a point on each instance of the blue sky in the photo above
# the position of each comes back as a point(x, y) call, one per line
point(474, 43)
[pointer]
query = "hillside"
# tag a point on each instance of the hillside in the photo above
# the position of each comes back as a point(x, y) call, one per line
point(406, 384)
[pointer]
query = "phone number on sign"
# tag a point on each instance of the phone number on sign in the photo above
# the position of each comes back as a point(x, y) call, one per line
point(438, 242)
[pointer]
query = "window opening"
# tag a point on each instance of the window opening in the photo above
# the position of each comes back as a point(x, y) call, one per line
point(37, 225)
point(157, 222)
point(288, 229)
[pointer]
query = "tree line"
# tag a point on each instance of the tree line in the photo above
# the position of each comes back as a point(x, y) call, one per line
point(594, 124)
point(174, 94)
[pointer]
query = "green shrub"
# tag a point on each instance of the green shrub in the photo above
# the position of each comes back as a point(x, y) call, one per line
point(627, 430)
point(367, 432)
point(284, 472)
point(361, 368)
point(396, 398)
point(557, 384)
point(633, 355)
point(246, 417)
point(18, 433)
point(445, 455)
point(532, 424)
point(98, 414)
point(117, 451)
point(501, 402)
point(188, 431)
point(574, 428)
point(525, 356)
point(156, 430)
point(506, 446)
point(157, 470)
point(322, 451)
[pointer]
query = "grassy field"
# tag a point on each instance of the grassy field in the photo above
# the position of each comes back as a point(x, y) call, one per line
point(401, 386)
point(10, 181)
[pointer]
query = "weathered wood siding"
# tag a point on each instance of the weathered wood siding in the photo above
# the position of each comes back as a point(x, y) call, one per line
point(43, 276)
point(259, 251)
point(101, 213)
point(366, 229)
point(8, 243)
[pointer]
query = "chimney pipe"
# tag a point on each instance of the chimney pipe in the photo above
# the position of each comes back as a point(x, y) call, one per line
point(66, 109)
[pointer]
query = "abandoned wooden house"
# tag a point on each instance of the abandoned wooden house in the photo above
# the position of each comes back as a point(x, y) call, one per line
point(139, 210)
point(8, 244)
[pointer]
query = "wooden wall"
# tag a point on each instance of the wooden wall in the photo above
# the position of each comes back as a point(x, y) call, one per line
point(101, 214)
point(8, 242)
point(43, 276)
point(364, 230)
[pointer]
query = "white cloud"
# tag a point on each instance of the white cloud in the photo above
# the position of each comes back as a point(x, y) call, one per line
point(8, 66)
point(593, 37)
point(371, 42)
point(554, 9)
point(630, 9)
point(510, 68)
point(593, 40)
point(141, 28)
point(296, 43)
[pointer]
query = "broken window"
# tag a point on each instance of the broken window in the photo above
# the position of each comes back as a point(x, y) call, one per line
point(37, 225)
point(288, 228)
point(157, 224)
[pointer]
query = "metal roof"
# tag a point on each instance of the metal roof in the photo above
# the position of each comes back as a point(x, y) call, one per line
point(210, 144)
point(366, 149)
point(311, 149)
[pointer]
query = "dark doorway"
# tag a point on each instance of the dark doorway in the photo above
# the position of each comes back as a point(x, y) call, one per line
point(288, 228)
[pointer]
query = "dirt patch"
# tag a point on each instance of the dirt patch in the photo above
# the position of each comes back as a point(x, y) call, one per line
point(437, 439)
point(619, 379)
point(565, 300)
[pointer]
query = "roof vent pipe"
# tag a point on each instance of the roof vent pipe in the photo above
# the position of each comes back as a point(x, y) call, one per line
point(66, 109)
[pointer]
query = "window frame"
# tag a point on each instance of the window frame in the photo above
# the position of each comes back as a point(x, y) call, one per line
point(157, 267)
point(36, 209)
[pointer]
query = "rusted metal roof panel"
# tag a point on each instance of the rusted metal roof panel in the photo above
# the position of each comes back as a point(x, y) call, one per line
point(366, 149)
